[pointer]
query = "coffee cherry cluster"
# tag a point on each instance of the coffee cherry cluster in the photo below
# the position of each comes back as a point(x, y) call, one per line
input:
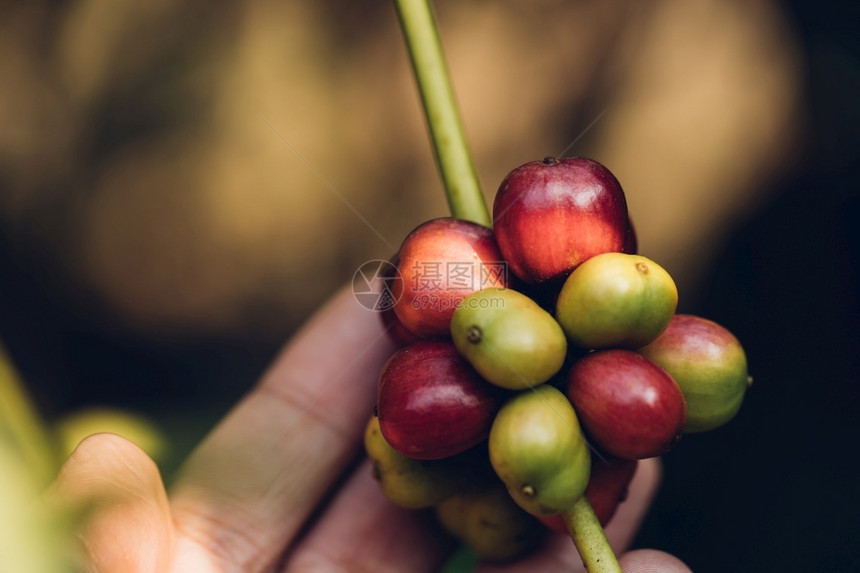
point(539, 361)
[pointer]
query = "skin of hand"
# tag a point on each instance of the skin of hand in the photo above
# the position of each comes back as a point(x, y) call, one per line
point(280, 483)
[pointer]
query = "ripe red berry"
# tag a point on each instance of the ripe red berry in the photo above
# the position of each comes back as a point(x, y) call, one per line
point(708, 363)
point(629, 406)
point(551, 215)
point(431, 403)
point(441, 262)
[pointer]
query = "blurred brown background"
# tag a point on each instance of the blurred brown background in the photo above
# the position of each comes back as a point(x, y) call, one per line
point(152, 182)
point(179, 181)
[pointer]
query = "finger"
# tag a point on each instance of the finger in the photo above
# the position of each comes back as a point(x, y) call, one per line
point(559, 552)
point(628, 519)
point(249, 487)
point(363, 531)
point(651, 561)
point(115, 488)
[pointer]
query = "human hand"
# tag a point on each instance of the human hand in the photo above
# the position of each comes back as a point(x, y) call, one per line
point(281, 485)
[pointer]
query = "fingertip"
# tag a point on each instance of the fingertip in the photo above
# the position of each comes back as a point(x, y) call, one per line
point(121, 513)
point(651, 561)
point(108, 442)
point(106, 463)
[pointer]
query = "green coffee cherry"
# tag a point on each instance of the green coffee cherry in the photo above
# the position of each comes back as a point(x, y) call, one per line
point(708, 363)
point(616, 300)
point(410, 483)
point(538, 450)
point(489, 523)
point(510, 340)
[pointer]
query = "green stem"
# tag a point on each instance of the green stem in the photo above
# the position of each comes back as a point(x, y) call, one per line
point(466, 201)
point(462, 187)
point(22, 425)
point(590, 539)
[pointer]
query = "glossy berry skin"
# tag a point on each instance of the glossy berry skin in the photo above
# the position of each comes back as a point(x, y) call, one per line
point(616, 300)
point(441, 262)
point(606, 490)
point(432, 404)
point(551, 215)
point(630, 407)
point(510, 340)
point(708, 363)
point(537, 449)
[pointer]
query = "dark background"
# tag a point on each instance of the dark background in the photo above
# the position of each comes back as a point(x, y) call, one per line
point(775, 490)
point(772, 491)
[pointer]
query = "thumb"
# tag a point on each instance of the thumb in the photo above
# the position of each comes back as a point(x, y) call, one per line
point(121, 508)
point(651, 561)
